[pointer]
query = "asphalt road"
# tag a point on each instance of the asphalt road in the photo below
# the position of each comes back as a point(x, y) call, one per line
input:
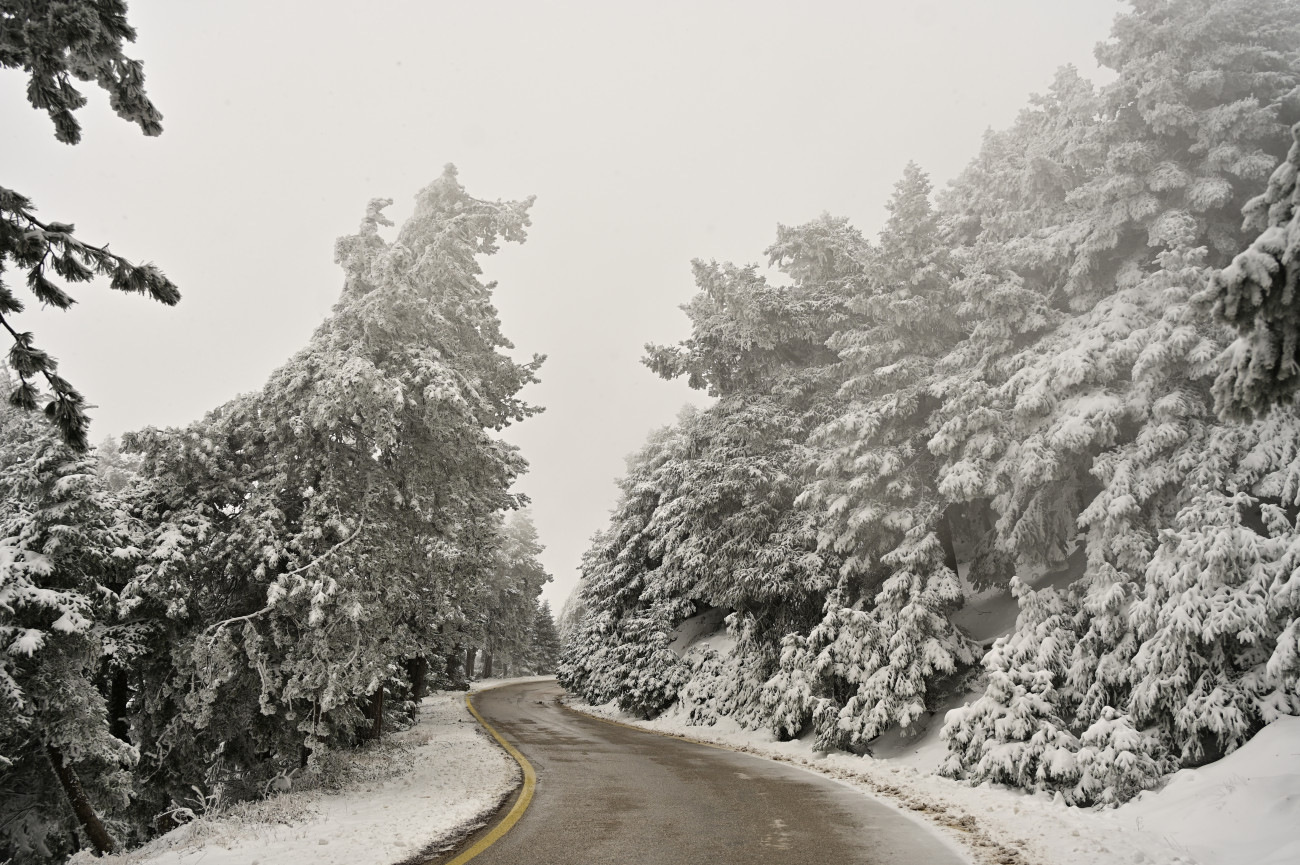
point(612, 794)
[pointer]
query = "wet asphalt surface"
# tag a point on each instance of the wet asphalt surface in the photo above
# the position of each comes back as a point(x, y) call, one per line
point(611, 794)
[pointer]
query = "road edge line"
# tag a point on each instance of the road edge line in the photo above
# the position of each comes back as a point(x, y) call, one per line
point(521, 804)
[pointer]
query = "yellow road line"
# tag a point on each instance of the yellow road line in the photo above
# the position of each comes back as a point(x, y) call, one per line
point(521, 804)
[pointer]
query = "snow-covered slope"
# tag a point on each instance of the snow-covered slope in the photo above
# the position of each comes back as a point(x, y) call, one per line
point(704, 629)
point(423, 787)
point(1241, 810)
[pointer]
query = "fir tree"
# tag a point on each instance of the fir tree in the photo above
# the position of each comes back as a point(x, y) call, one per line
point(1015, 378)
point(619, 651)
point(1256, 295)
point(504, 623)
point(889, 636)
point(62, 543)
point(1018, 731)
point(545, 649)
point(712, 501)
point(1204, 622)
point(311, 537)
point(1112, 404)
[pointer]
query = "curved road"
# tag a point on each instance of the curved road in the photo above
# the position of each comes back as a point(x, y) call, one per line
point(612, 794)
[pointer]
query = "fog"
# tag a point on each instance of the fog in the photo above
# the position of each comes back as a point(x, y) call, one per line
point(651, 134)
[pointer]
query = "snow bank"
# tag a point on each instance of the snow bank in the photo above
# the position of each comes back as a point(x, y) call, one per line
point(423, 787)
point(484, 684)
point(1241, 810)
point(709, 625)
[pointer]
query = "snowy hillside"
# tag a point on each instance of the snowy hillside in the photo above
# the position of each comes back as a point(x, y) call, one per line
point(422, 790)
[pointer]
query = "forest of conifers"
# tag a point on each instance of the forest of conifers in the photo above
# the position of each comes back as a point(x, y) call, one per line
point(193, 613)
point(1076, 359)
point(1067, 377)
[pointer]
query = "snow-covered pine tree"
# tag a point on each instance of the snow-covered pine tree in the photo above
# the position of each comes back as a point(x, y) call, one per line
point(510, 592)
point(1067, 403)
point(1205, 627)
point(1007, 222)
point(1116, 760)
point(888, 637)
point(1113, 402)
point(1257, 295)
point(1272, 472)
point(800, 695)
point(716, 508)
point(1194, 170)
point(1218, 614)
point(1191, 128)
point(1018, 731)
point(619, 650)
point(313, 536)
point(728, 682)
point(63, 545)
point(571, 614)
point(1161, 422)
point(545, 650)
point(1114, 181)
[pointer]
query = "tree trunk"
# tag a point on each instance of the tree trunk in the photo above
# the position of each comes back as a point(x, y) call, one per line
point(81, 806)
point(455, 662)
point(487, 664)
point(470, 652)
point(119, 693)
point(417, 670)
point(944, 531)
point(377, 713)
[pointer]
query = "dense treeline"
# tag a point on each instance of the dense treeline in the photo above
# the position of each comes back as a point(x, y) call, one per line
point(1018, 373)
point(189, 615)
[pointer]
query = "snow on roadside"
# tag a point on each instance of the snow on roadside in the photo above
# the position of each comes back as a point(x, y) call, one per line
point(485, 684)
point(1243, 810)
point(423, 786)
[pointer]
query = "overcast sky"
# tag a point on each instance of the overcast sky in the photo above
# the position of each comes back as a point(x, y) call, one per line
point(651, 132)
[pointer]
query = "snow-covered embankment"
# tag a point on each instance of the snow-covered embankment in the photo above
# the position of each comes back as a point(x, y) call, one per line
point(423, 787)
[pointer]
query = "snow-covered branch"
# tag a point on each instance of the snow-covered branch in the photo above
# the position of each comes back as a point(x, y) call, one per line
point(216, 627)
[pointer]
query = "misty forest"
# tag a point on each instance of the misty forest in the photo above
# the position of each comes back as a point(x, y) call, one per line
point(1064, 381)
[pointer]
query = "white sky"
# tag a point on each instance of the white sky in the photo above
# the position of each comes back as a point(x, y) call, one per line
point(651, 133)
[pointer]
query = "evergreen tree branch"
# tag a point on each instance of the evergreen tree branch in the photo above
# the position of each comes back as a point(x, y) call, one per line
point(216, 627)
point(36, 245)
point(66, 408)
